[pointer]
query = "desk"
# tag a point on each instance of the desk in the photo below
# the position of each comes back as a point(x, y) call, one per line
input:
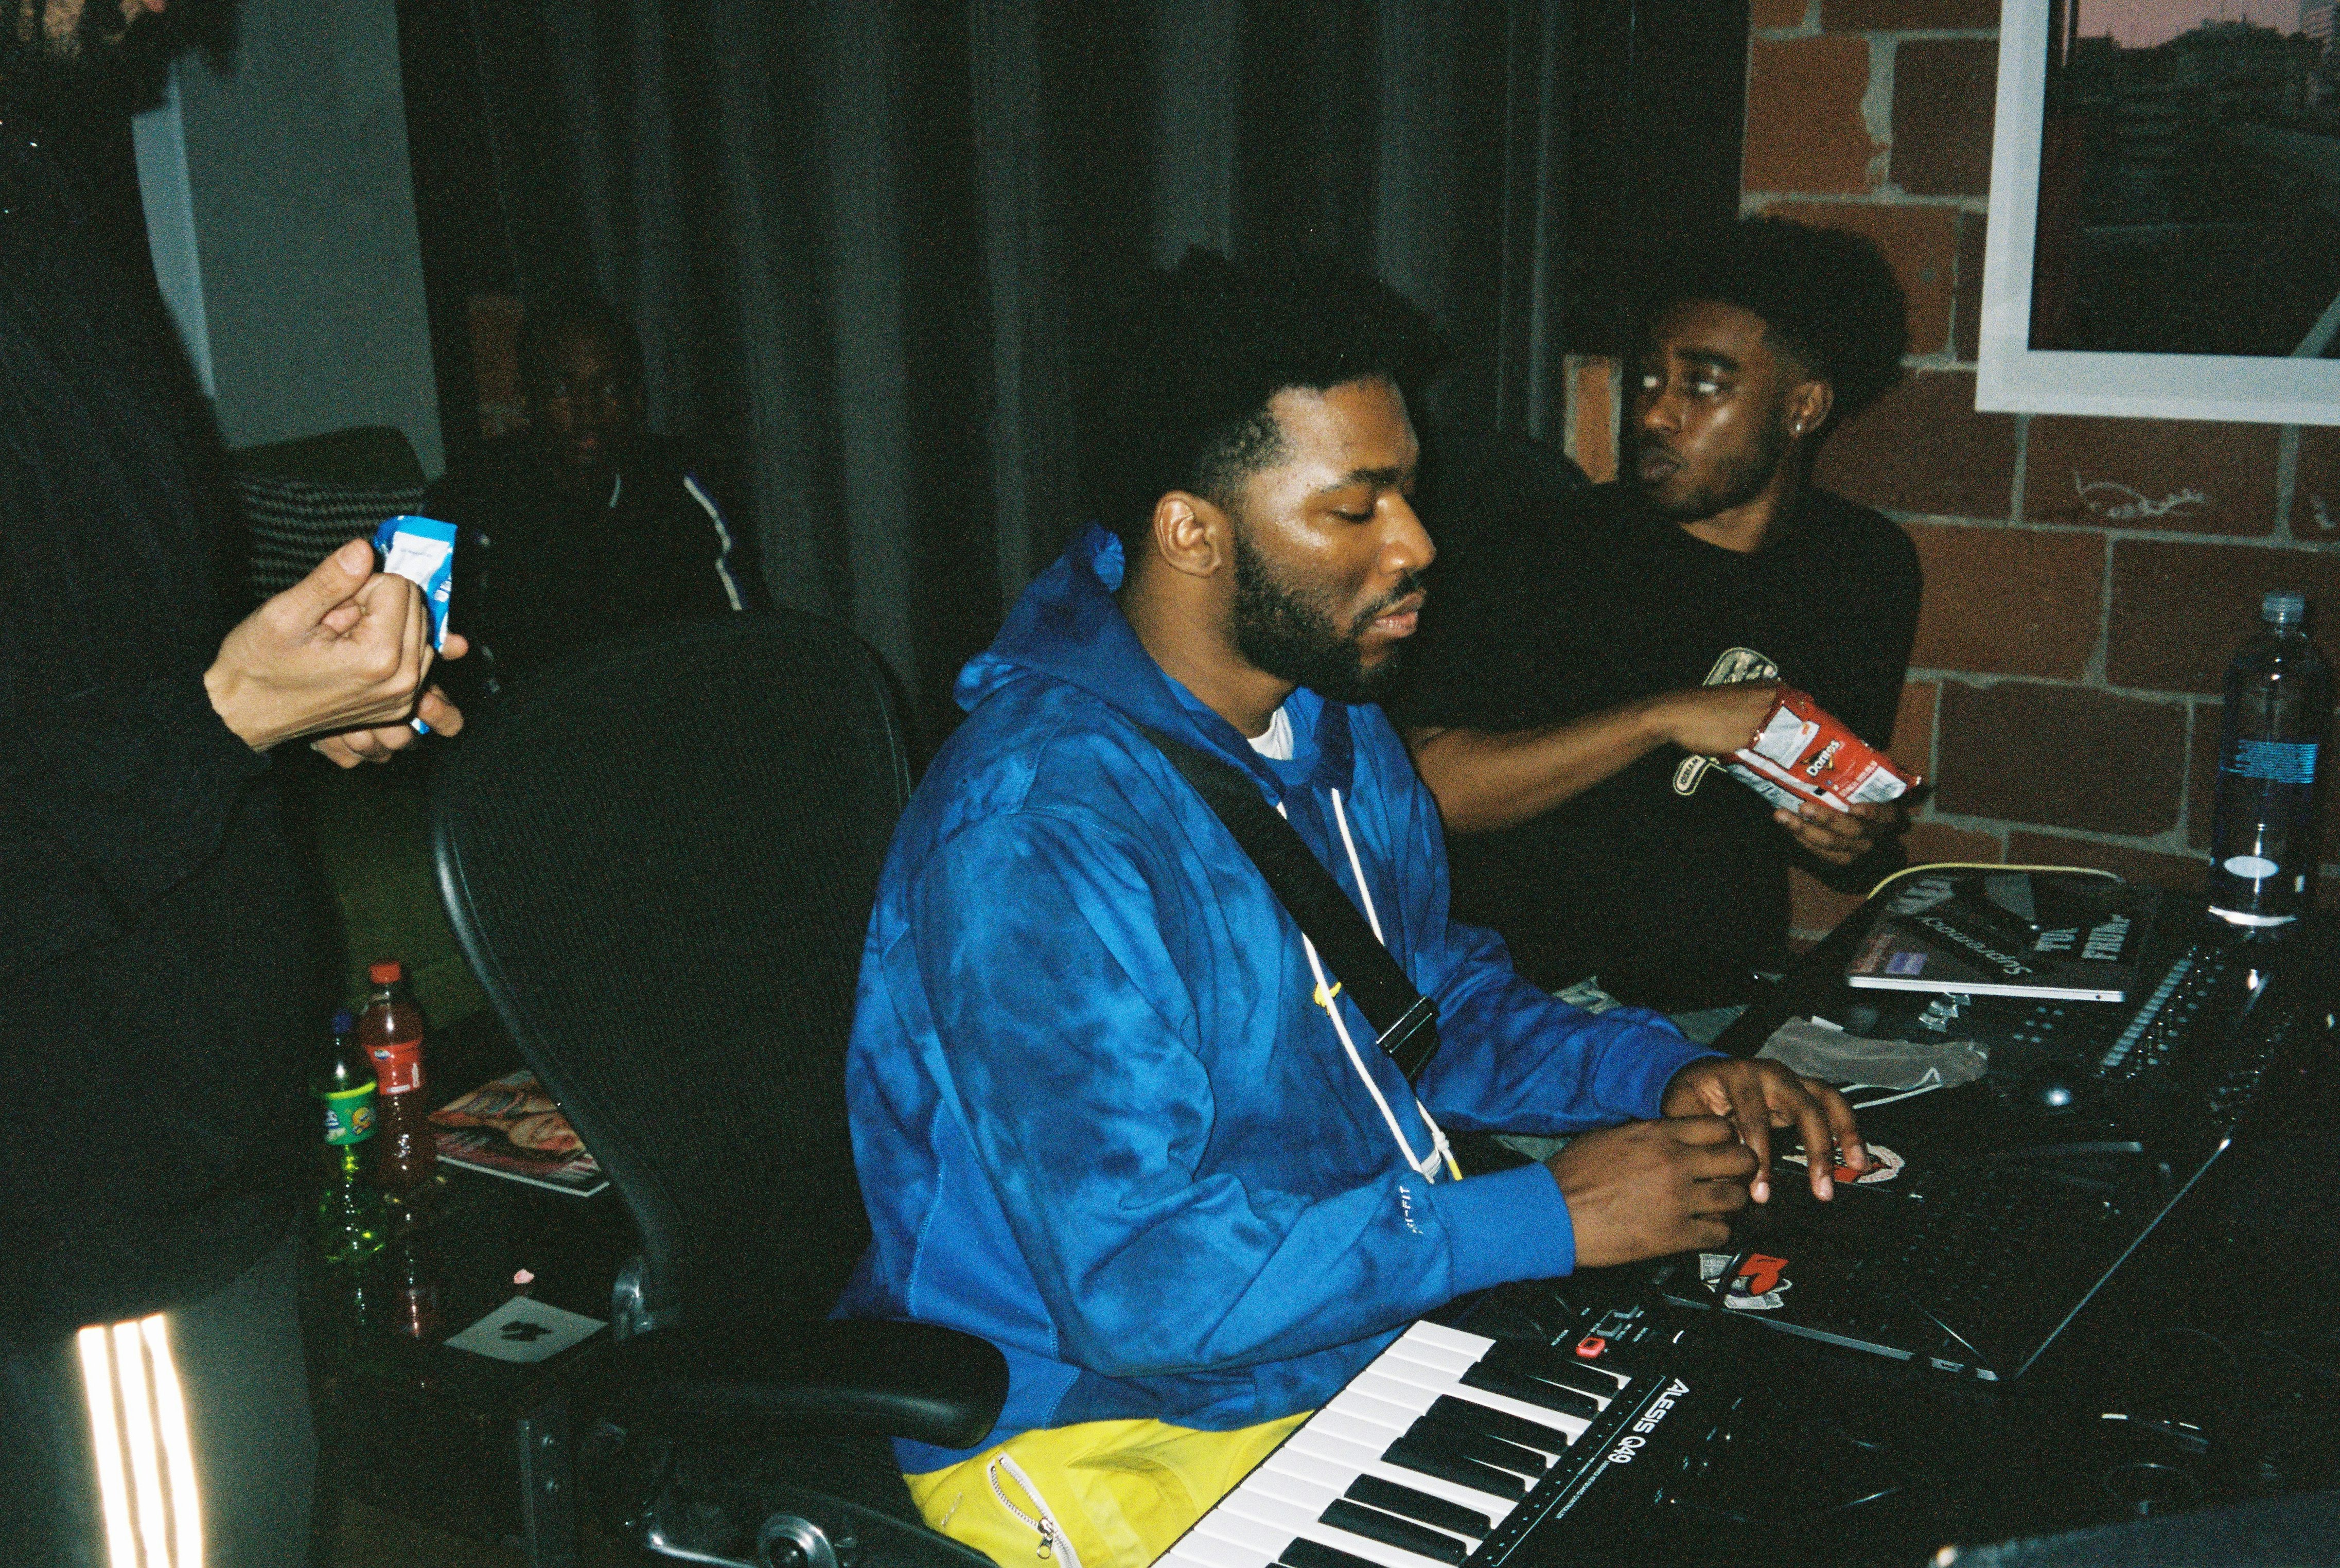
point(475, 1446)
point(2202, 1374)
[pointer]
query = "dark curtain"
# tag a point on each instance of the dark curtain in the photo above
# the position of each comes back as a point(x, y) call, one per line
point(867, 242)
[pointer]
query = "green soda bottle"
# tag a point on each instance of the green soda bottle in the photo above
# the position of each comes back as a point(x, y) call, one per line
point(350, 1224)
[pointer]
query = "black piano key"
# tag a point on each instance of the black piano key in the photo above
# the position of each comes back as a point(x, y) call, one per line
point(1551, 1365)
point(1465, 1444)
point(1391, 1498)
point(1529, 1390)
point(1305, 1553)
point(1391, 1531)
point(1408, 1454)
point(1625, 1363)
point(1476, 1417)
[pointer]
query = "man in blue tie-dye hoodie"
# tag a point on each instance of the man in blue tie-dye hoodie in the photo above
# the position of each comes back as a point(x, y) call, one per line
point(1108, 1111)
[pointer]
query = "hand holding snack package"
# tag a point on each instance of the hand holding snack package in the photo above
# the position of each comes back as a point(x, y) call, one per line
point(1802, 752)
point(422, 550)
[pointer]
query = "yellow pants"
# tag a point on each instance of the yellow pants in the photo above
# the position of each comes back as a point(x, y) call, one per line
point(1120, 1492)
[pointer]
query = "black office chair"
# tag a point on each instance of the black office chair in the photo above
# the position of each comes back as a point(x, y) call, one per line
point(660, 859)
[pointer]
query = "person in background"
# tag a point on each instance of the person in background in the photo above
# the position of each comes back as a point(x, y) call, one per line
point(1108, 1113)
point(583, 525)
point(157, 986)
point(1582, 663)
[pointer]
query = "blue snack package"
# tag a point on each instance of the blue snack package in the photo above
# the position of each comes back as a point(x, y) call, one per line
point(422, 550)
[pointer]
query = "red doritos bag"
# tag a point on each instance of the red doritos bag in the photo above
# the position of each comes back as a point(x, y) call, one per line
point(1801, 752)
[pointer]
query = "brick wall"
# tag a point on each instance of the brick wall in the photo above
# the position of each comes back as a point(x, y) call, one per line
point(2086, 580)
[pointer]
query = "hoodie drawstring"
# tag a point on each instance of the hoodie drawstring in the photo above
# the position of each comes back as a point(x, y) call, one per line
point(1424, 1165)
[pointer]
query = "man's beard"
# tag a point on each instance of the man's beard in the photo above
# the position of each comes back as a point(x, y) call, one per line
point(1736, 482)
point(1287, 635)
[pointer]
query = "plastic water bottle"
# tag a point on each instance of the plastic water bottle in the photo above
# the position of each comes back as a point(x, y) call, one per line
point(2277, 721)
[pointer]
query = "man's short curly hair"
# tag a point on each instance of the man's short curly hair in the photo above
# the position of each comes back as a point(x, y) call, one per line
point(1181, 386)
point(547, 323)
point(1827, 296)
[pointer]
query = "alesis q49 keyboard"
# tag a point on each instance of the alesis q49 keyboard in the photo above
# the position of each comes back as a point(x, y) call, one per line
point(1452, 1447)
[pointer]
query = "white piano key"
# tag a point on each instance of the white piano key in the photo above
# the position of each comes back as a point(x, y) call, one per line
point(1447, 1364)
point(1239, 1531)
point(1454, 1341)
point(1568, 1428)
point(1330, 1448)
point(1361, 1448)
point(1296, 1485)
point(1303, 1477)
point(1198, 1551)
point(1563, 1430)
point(1428, 1353)
point(1393, 1409)
point(1238, 1539)
point(1272, 1515)
point(1337, 1473)
point(1438, 1334)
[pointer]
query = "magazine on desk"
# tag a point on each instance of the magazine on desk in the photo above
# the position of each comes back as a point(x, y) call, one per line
point(2050, 935)
point(511, 1127)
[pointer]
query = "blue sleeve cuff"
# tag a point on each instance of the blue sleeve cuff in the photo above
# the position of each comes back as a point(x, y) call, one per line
point(1634, 1073)
point(1507, 1225)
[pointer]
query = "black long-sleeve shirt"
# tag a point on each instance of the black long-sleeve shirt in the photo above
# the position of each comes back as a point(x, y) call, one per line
point(155, 972)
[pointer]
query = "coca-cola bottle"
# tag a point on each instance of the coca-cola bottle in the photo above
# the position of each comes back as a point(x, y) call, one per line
point(390, 1029)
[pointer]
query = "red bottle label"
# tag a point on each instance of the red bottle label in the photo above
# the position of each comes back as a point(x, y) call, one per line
point(397, 1065)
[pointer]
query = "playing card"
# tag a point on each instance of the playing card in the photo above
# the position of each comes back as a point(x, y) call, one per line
point(525, 1329)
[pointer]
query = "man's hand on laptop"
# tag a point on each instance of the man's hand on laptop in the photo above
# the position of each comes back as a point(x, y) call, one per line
point(1841, 838)
point(1649, 1188)
point(1756, 1095)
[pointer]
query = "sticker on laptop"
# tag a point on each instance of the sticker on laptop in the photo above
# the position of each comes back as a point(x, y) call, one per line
point(1884, 1165)
point(1758, 1282)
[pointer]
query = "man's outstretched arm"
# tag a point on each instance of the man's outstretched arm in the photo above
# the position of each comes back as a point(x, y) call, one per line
point(1484, 780)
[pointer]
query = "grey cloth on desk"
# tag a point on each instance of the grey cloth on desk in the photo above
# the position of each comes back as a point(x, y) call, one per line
point(1834, 1057)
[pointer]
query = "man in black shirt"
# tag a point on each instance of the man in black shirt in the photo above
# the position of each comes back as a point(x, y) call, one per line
point(156, 982)
point(1580, 668)
point(583, 526)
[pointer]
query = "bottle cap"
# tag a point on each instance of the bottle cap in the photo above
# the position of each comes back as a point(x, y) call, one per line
point(2284, 607)
point(344, 1021)
point(383, 974)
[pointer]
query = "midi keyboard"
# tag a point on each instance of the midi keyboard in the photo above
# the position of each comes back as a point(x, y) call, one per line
point(1452, 1447)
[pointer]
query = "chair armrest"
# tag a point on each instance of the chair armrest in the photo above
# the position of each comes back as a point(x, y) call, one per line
point(786, 1379)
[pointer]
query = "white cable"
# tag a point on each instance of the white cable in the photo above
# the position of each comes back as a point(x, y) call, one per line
point(1923, 1088)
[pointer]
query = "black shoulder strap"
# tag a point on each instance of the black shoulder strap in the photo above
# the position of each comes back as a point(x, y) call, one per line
point(1404, 1021)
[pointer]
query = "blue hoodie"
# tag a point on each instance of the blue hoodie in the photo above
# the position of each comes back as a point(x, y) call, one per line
point(1097, 1116)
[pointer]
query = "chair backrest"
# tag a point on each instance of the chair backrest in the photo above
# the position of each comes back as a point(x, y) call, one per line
point(659, 858)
